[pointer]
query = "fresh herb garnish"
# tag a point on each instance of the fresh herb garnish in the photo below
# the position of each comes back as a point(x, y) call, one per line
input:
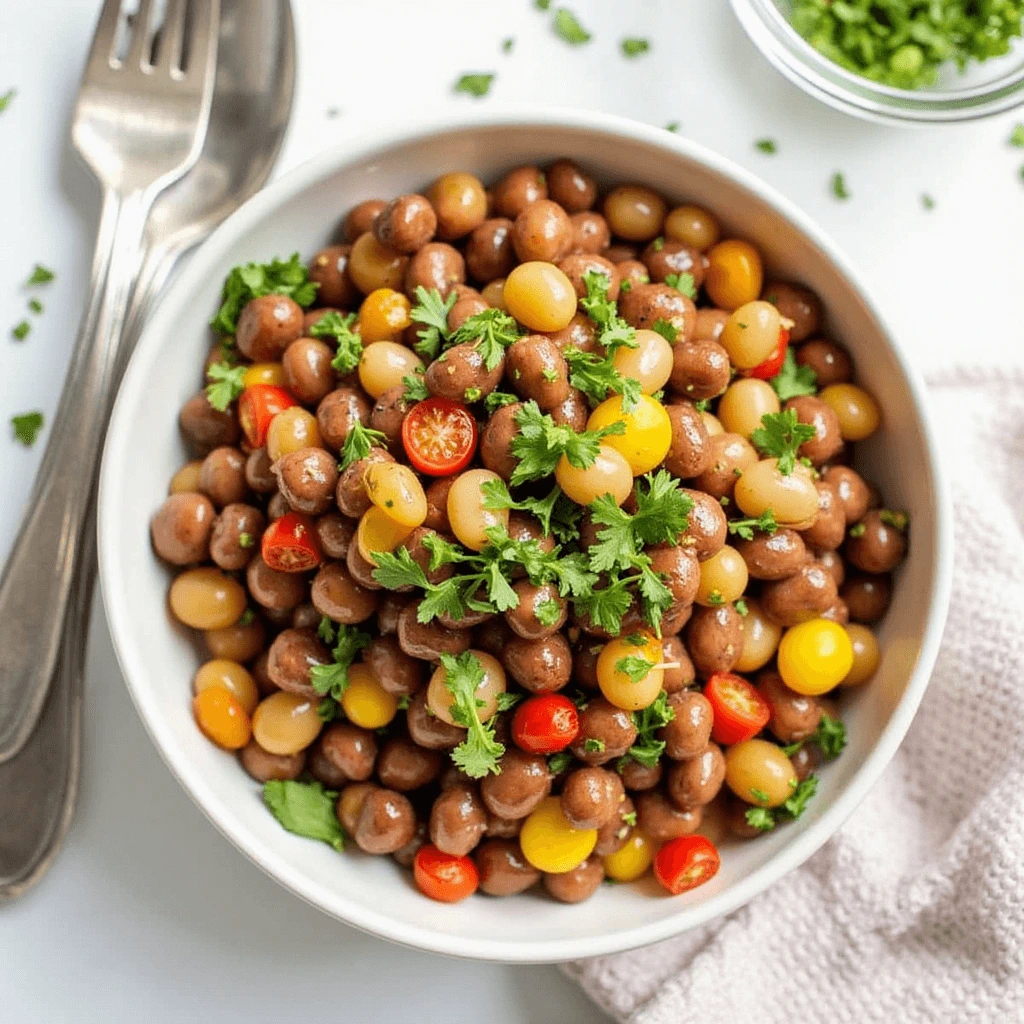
point(745, 528)
point(559, 762)
point(493, 330)
point(507, 43)
point(432, 311)
point(40, 275)
point(682, 283)
point(635, 667)
point(475, 84)
point(305, 808)
point(26, 427)
point(35, 306)
point(897, 520)
point(633, 46)
point(668, 331)
point(556, 513)
point(569, 28)
point(595, 376)
point(647, 748)
point(858, 530)
point(21, 330)
point(741, 607)
point(350, 345)
point(254, 280)
point(839, 189)
point(830, 736)
point(594, 746)
point(927, 201)
point(358, 444)
point(766, 818)
point(673, 126)
point(247, 617)
point(1017, 136)
point(478, 754)
point(246, 540)
point(542, 5)
point(780, 436)
point(496, 399)
point(327, 630)
point(332, 680)
point(227, 382)
point(415, 387)
point(794, 380)
point(768, 146)
point(6, 98)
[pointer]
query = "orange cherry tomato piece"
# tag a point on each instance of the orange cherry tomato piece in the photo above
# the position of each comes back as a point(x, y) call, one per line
point(740, 712)
point(257, 407)
point(773, 364)
point(545, 724)
point(290, 544)
point(684, 863)
point(439, 436)
point(221, 718)
point(443, 877)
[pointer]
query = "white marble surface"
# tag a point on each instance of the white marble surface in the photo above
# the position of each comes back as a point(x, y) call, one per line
point(150, 914)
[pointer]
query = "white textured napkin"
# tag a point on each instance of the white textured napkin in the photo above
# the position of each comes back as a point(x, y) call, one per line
point(914, 911)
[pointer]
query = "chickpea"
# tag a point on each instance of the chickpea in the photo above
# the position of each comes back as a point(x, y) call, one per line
point(609, 474)
point(383, 365)
point(397, 492)
point(648, 434)
point(634, 212)
point(372, 265)
point(440, 700)
point(734, 275)
point(723, 578)
point(744, 403)
point(383, 316)
point(207, 598)
point(617, 685)
point(692, 225)
point(378, 532)
point(230, 676)
point(866, 655)
point(760, 638)
point(285, 723)
point(460, 202)
point(650, 362)
point(793, 498)
point(469, 520)
point(291, 430)
point(751, 334)
point(759, 773)
point(540, 296)
point(186, 479)
point(365, 702)
point(237, 642)
point(857, 412)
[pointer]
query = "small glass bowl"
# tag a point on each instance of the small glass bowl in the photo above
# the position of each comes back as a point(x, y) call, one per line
point(984, 89)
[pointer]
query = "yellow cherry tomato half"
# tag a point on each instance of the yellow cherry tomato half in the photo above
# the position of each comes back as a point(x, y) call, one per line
point(550, 843)
point(648, 434)
point(397, 492)
point(632, 861)
point(815, 656)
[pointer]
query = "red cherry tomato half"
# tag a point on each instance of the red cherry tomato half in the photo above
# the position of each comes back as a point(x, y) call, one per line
point(443, 877)
point(773, 364)
point(740, 712)
point(439, 436)
point(257, 407)
point(684, 863)
point(290, 544)
point(545, 724)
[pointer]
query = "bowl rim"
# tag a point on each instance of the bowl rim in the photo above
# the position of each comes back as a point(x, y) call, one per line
point(130, 649)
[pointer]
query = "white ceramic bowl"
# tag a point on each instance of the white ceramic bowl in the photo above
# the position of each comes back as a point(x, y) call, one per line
point(300, 212)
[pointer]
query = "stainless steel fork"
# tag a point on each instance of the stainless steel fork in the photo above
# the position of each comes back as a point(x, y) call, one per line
point(139, 124)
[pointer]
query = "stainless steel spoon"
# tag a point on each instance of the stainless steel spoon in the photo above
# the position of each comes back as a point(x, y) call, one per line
point(251, 105)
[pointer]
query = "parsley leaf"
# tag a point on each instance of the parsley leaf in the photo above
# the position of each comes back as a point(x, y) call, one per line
point(797, 803)
point(839, 189)
point(559, 762)
point(40, 275)
point(682, 283)
point(350, 345)
point(327, 710)
point(793, 380)
point(761, 818)
point(359, 442)
point(858, 530)
point(668, 331)
point(542, 5)
point(493, 330)
point(594, 746)
point(507, 701)
point(596, 376)
point(496, 399)
point(647, 748)
point(21, 330)
point(326, 630)
point(478, 754)
point(507, 43)
point(1017, 136)
point(35, 305)
point(673, 126)
point(633, 47)
point(634, 666)
point(305, 808)
point(26, 427)
point(897, 520)
point(830, 736)
point(767, 146)
point(780, 435)
point(745, 528)
point(475, 84)
point(569, 28)
point(332, 680)
point(6, 98)
point(254, 280)
point(432, 311)
point(766, 818)
point(606, 605)
point(927, 201)
point(227, 383)
point(415, 387)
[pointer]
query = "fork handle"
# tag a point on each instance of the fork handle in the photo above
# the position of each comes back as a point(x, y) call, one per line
point(37, 581)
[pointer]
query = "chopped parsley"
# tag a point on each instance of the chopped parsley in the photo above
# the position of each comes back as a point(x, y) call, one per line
point(6, 98)
point(432, 311)
point(496, 399)
point(21, 330)
point(358, 444)
point(593, 746)
point(745, 528)
point(26, 427)
point(780, 436)
point(350, 345)
point(246, 540)
point(478, 754)
point(682, 283)
point(35, 306)
point(635, 667)
point(227, 382)
point(332, 680)
point(476, 84)
point(794, 380)
point(254, 280)
point(327, 630)
point(559, 762)
point(507, 43)
point(40, 275)
point(1017, 136)
point(568, 27)
point(741, 607)
point(927, 201)
point(668, 331)
point(715, 599)
point(415, 387)
point(633, 46)
point(830, 737)
point(541, 5)
point(839, 189)
point(897, 520)
point(305, 808)
point(556, 513)
point(548, 612)
point(647, 748)
point(858, 530)
point(507, 701)
point(767, 146)
point(673, 126)
point(493, 330)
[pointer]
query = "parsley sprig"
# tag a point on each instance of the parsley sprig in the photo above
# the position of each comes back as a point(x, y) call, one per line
point(478, 754)
point(359, 442)
point(493, 330)
point(305, 808)
point(226, 384)
point(556, 513)
point(350, 345)
point(332, 680)
point(647, 748)
point(766, 818)
point(780, 435)
point(745, 528)
point(254, 280)
point(793, 380)
point(432, 311)
point(682, 283)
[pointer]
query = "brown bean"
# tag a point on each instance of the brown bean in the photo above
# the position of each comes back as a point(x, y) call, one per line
point(457, 821)
point(794, 716)
point(406, 855)
point(573, 189)
point(874, 545)
point(830, 362)
point(690, 730)
point(576, 885)
point(403, 765)
point(573, 412)
point(353, 751)
point(590, 232)
point(386, 822)
point(437, 504)
point(429, 640)
point(292, 654)
point(644, 304)
point(705, 535)
point(697, 780)
point(335, 532)
point(736, 819)
point(730, 455)
point(866, 597)
point(661, 821)
point(258, 474)
point(829, 526)
point(832, 562)
point(338, 596)
point(538, 371)
point(182, 528)
point(606, 732)
point(258, 670)
point(274, 590)
point(580, 333)
point(700, 369)
point(797, 303)
point(350, 493)
point(690, 452)
point(679, 570)
point(426, 729)
point(615, 832)
point(307, 478)
point(578, 265)
point(621, 252)
point(489, 251)
point(388, 415)
point(222, 476)
point(522, 783)
point(503, 828)
point(540, 666)
point(264, 766)
point(204, 428)
point(714, 638)
point(542, 232)
point(710, 324)
point(361, 217)
point(503, 869)
point(406, 224)
point(360, 569)
point(632, 273)
point(338, 413)
point(329, 269)
point(518, 189)
point(267, 326)
point(398, 673)
point(496, 441)
point(671, 257)
point(674, 650)
point(590, 797)
point(637, 777)
point(827, 442)
point(461, 375)
point(305, 616)
point(308, 373)
point(773, 556)
point(236, 536)
point(854, 494)
point(541, 611)
point(804, 595)
point(436, 265)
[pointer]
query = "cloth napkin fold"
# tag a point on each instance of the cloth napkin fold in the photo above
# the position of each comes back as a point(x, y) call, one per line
point(914, 910)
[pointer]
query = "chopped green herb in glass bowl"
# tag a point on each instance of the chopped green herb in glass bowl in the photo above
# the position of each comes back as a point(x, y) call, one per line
point(898, 61)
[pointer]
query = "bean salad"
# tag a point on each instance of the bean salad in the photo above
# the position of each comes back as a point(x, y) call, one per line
point(522, 538)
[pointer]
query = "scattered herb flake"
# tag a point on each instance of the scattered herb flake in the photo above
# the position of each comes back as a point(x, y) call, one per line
point(858, 530)
point(559, 762)
point(682, 283)
point(568, 27)
point(507, 44)
point(35, 306)
point(332, 680)
point(475, 84)
point(794, 380)
point(780, 436)
point(745, 528)
point(830, 736)
point(839, 189)
point(358, 444)
point(897, 520)
point(21, 330)
point(927, 201)
point(350, 345)
point(633, 46)
point(26, 427)
point(432, 311)
point(41, 275)
point(768, 146)
point(227, 382)
point(6, 98)
point(1017, 136)
point(673, 126)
